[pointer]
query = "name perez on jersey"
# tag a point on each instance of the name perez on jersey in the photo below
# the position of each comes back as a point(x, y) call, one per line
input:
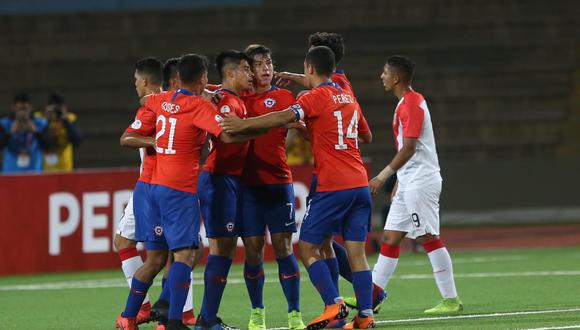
point(342, 98)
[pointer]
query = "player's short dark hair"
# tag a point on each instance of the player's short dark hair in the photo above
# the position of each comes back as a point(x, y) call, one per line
point(21, 98)
point(229, 57)
point(403, 65)
point(152, 68)
point(191, 67)
point(322, 58)
point(256, 49)
point(331, 40)
point(55, 99)
point(170, 68)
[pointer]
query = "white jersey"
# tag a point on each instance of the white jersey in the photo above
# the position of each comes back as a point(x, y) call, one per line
point(412, 120)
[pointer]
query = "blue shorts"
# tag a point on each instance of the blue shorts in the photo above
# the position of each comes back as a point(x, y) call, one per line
point(178, 221)
point(219, 199)
point(270, 205)
point(142, 209)
point(349, 210)
point(312, 191)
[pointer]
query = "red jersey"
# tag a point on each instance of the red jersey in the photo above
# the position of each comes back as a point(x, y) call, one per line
point(227, 158)
point(332, 116)
point(266, 159)
point(144, 124)
point(182, 121)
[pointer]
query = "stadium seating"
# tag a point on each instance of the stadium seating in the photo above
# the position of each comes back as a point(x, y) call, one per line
point(498, 75)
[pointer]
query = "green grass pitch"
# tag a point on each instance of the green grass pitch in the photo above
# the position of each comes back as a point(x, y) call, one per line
point(523, 289)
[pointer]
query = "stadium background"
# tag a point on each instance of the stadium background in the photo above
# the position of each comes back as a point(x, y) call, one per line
point(502, 79)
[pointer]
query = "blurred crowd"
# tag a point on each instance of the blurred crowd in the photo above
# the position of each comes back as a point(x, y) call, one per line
point(38, 141)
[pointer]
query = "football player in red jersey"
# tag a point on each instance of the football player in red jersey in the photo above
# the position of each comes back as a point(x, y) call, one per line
point(268, 196)
point(219, 185)
point(181, 120)
point(148, 79)
point(342, 199)
point(335, 254)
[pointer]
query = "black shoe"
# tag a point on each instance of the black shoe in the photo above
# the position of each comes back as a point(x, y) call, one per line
point(225, 326)
point(176, 325)
point(160, 311)
point(202, 325)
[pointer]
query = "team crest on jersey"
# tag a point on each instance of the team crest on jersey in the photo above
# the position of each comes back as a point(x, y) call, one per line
point(230, 226)
point(269, 102)
point(225, 109)
point(158, 231)
point(136, 124)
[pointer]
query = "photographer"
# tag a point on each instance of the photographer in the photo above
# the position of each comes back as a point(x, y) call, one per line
point(63, 134)
point(22, 137)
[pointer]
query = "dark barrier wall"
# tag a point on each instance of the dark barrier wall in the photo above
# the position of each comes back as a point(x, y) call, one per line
point(68, 6)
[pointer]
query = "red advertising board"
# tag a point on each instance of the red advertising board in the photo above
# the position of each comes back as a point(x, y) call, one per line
point(66, 222)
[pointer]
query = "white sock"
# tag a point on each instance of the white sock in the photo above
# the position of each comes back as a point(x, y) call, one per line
point(383, 270)
point(443, 272)
point(189, 301)
point(129, 267)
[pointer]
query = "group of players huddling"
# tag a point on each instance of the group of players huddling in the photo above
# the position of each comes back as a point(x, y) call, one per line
point(245, 187)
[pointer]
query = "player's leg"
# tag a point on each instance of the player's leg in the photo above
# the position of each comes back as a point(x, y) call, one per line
point(188, 310)
point(217, 269)
point(276, 208)
point(126, 246)
point(423, 205)
point(355, 231)
point(253, 229)
point(254, 278)
point(180, 216)
point(342, 260)
point(324, 213)
point(289, 275)
point(141, 282)
point(219, 203)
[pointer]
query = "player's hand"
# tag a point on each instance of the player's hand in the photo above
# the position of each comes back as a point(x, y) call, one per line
point(296, 125)
point(375, 185)
point(283, 79)
point(232, 124)
point(213, 97)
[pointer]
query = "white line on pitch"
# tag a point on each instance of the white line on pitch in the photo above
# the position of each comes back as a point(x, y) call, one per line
point(473, 316)
point(119, 282)
point(577, 326)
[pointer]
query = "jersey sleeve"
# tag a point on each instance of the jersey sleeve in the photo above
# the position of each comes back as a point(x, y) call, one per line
point(144, 123)
point(412, 117)
point(207, 119)
point(305, 106)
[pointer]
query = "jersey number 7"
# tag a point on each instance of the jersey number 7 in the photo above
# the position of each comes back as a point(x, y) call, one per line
point(351, 131)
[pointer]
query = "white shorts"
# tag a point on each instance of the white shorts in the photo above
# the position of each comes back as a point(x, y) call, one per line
point(415, 212)
point(126, 226)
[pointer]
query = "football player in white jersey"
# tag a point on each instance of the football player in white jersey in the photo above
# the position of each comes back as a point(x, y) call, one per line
point(414, 211)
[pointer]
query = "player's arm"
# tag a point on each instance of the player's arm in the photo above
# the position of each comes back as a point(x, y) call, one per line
point(139, 133)
point(411, 117)
point(235, 125)
point(134, 140)
point(400, 159)
point(284, 79)
point(237, 138)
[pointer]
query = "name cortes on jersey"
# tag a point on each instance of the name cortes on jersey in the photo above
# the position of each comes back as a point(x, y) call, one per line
point(170, 107)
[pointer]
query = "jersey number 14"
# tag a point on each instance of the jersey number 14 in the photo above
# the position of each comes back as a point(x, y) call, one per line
point(351, 131)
